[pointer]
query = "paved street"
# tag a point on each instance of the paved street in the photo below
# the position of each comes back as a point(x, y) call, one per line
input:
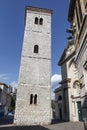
point(6, 124)
point(58, 126)
point(66, 126)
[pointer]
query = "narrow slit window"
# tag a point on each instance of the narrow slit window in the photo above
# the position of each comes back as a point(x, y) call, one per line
point(36, 49)
point(31, 99)
point(41, 21)
point(35, 99)
point(36, 20)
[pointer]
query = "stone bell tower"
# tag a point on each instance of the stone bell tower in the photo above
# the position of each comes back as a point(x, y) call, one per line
point(33, 104)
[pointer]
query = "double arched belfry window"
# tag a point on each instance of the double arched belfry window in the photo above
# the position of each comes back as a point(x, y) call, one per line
point(38, 21)
point(41, 21)
point(33, 99)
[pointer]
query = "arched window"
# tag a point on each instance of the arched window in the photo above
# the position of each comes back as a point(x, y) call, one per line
point(36, 20)
point(31, 99)
point(36, 49)
point(60, 98)
point(41, 21)
point(35, 99)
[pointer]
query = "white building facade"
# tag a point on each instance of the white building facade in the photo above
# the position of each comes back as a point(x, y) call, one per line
point(74, 63)
point(5, 99)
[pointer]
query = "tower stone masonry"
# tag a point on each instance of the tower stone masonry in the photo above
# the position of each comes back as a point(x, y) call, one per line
point(33, 104)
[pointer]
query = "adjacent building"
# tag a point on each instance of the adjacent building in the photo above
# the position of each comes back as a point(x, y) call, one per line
point(3, 98)
point(73, 64)
point(6, 94)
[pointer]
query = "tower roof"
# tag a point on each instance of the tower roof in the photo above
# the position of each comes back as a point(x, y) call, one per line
point(38, 9)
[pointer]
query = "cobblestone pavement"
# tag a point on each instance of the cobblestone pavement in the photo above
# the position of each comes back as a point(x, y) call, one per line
point(58, 126)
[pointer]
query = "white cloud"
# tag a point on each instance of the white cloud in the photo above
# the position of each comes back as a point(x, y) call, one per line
point(55, 79)
point(14, 84)
point(4, 77)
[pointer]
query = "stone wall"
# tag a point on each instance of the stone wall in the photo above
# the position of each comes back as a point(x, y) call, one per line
point(35, 72)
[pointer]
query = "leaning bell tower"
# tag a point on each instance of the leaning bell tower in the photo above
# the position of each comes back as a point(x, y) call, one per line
point(33, 104)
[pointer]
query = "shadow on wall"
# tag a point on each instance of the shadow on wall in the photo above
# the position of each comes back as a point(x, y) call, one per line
point(84, 109)
point(24, 128)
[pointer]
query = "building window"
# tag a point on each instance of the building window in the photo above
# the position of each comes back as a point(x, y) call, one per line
point(41, 21)
point(36, 20)
point(36, 49)
point(35, 99)
point(31, 99)
point(59, 98)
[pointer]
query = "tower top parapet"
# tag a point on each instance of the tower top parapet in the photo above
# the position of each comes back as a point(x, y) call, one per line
point(39, 9)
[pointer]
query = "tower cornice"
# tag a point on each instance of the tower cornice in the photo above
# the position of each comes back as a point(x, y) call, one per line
point(39, 9)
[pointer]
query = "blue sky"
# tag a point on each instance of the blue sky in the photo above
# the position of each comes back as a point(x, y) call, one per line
point(12, 14)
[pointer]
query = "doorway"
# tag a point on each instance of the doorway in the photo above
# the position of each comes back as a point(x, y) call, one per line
point(79, 111)
point(60, 113)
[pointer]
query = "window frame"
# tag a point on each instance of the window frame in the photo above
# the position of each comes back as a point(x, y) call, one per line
point(41, 21)
point(31, 99)
point(36, 49)
point(35, 99)
point(36, 20)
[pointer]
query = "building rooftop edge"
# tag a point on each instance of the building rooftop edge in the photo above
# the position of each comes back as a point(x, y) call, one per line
point(3, 84)
point(57, 89)
point(63, 56)
point(39, 9)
